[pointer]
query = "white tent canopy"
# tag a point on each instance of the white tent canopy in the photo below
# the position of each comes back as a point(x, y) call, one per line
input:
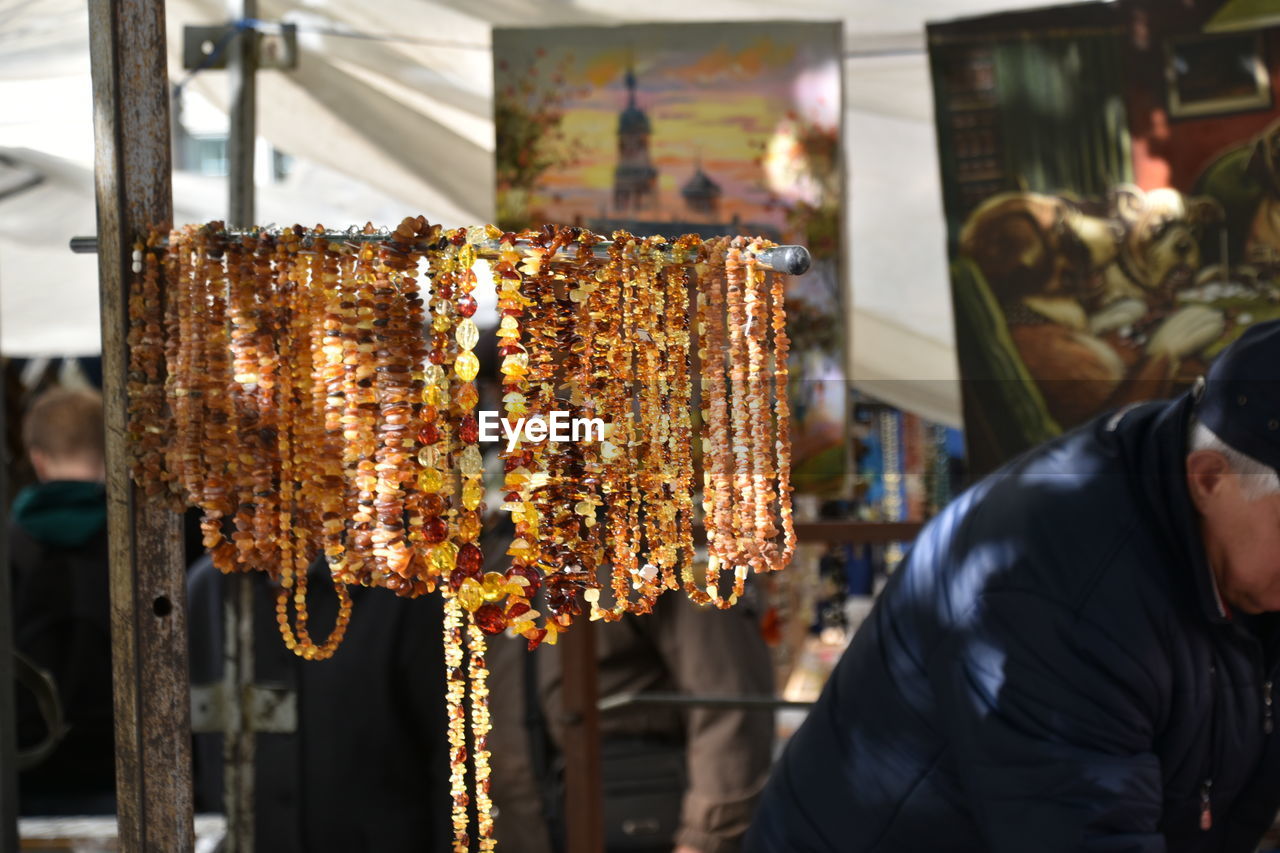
point(412, 120)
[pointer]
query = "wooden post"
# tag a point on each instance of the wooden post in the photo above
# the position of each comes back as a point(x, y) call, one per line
point(148, 579)
point(584, 799)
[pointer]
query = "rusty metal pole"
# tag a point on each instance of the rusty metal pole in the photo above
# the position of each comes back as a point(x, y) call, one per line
point(148, 579)
point(583, 790)
point(238, 738)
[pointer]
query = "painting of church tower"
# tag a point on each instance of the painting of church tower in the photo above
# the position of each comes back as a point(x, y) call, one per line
point(635, 180)
point(701, 193)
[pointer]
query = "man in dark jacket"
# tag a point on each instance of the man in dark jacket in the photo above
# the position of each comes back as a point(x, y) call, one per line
point(61, 607)
point(1078, 654)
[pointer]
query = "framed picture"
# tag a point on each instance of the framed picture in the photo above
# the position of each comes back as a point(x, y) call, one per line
point(1211, 75)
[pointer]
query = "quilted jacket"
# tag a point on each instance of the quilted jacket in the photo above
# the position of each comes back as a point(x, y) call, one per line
point(1051, 669)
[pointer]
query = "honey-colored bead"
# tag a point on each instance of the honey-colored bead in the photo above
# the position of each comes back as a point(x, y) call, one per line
point(472, 494)
point(470, 463)
point(467, 366)
point(494, 586)
point(468, 526)
point(430, 480)
point(467, 334)
point(470, 594)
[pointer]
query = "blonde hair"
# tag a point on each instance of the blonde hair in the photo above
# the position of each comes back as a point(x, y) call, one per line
point(66, 423)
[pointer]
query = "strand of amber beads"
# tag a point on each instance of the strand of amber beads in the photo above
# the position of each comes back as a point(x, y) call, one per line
point(295, 403)
point(586, 394)
point(214, 415)
point(174, 295)
point(538, 372)
point(184, 395)
point(756, 296)
point(337, 331)
point(569, 488)
point(681, 402)
point(397, 421)
point(519, 613)
point(455, 694)
point(479, 595)
point(265, 476)
point(481, 725)
point(436, 545)
point(541, 322)
point(782, 408)
point(321, 434)
point(246, 457)
point(613, 372)
point(360, 421)
point(717, 450)
point(654, 472)
point(148, 419)
point(415, 346)
point(743, 501)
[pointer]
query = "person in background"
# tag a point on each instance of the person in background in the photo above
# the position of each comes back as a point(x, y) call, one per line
point(1079, 653)
point(367, 768)
point(676, 779)
point(61, 607)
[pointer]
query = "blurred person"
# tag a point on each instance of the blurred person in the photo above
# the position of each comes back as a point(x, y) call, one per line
point(367, 768)
point(61, 606)
point(681, 779)
point(1078, 654)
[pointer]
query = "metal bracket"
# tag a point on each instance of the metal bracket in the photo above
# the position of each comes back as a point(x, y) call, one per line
point(275, 709)
point(207, 47)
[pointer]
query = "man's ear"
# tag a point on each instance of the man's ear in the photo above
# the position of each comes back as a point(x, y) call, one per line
point(39, 462)
point(1207, 472)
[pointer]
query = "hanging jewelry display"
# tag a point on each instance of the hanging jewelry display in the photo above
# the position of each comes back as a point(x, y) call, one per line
point(314, 393)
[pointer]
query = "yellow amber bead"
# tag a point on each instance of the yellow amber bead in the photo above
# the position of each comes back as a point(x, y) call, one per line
point(434, 374)
point(470, 595)
point(467, 366)
point(443, 558)
point(430, 480)
point(466, 256)
point(472, 494)
point(467, 334)
point(442, 322)
point(429, 456)
point(468, 526)
point(433, 395)
point(494, 586)
point(470, 463)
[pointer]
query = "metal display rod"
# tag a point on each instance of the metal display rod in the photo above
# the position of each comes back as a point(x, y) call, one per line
point(792, 260)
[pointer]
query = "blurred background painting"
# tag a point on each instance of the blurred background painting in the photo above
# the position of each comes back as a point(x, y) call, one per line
point(1111, 184)
point(707, 129)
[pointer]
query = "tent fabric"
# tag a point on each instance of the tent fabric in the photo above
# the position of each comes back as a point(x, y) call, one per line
point(411, 117)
